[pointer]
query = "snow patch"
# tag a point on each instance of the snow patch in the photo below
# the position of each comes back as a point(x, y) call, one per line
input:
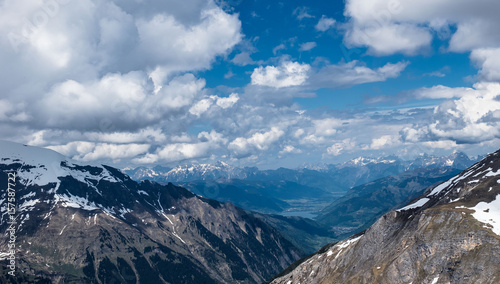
point(75, 202)
point(492, 174)
point(440, 187)
point(489, 213)
point(345, 244)
point(27, 204)
point(63, 230)
point(417, 204)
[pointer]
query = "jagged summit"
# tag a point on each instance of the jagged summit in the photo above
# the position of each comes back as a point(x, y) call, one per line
point(450, 234)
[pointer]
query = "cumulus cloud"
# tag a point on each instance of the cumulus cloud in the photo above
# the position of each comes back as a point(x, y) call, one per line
point(341, 147)
point(287, 74)
point(175, 152)
point(112, 79)
point(472, 118)
point(74, 61)
point(384, 141)
point(114, 102)
point(327, 126)
point(290, 149)
point(390, 39)
point(488, 61)
point(259, 141)
point(227, 102)
point(200, 107)
point(325, 24)
point(388, 27)
point(204, 105)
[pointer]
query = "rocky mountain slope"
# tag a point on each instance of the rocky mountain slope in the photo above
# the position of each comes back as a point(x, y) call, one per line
point(93, 224)
point(304, 233)
point(450, 234)
point(363, 205)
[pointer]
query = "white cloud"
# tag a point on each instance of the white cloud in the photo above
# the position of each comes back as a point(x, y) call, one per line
point(442, 144)
point(390, 39)
point(258, 141)
point(278, 48)
point(87, 151)
point(327, 126)
point(145, 135)
point(227, 102)
point(285, 75)
point(312, 139)
point(290, 149)
point(384, 142)
point(472, 118)
point(205, 104)
point(181, 48)
point(175, 152)
point(306, 46)
point(325, 24)
point(74, 61)
point(441, 92)
point(119, 101)
point(200, 107)
point(353, 73)
point(488, 61)
point(342, 146)
point(387, 26)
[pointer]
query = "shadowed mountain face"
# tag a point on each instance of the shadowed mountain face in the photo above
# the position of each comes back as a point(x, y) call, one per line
point(262, 196)
point(364, 204)
point(450, 234)
point(93, 224)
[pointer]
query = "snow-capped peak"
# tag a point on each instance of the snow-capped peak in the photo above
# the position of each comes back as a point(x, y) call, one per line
point(11, 152)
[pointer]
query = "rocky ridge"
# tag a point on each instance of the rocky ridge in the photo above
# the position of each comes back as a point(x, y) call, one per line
point(450, 234)
point(93, 224)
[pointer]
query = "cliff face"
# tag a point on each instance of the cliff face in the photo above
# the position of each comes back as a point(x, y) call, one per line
point(93, 224)
point(451, 234)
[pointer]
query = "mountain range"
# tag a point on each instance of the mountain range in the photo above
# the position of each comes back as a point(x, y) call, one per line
point(449, 234)
point(308, 189)
point(330, 177)
point(93, 224)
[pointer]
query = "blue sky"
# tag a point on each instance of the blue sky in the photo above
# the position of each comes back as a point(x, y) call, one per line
point(258, 83)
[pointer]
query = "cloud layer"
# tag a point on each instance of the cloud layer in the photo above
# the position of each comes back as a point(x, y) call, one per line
point(130, 82)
